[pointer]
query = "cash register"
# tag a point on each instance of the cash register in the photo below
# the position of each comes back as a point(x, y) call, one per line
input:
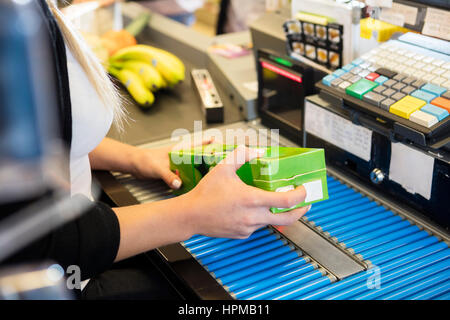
point(383, 233)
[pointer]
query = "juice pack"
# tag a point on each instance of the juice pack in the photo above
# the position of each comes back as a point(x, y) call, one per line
point(280, 169)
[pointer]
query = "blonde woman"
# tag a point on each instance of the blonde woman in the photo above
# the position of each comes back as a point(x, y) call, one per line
point(220, 206)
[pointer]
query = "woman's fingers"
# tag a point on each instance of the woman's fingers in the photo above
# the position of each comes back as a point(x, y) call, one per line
point(239, 156)
point(279, 199)
point(205, 141)
point(189, 144)
point(289, 217)
point(278, 219)
point(170, 178)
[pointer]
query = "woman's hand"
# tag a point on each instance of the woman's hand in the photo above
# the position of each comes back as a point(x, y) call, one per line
point(142, 163)
point(221, 205)
point(154, 164)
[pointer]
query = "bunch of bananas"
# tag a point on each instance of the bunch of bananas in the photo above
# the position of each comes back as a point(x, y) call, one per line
point(144, 69)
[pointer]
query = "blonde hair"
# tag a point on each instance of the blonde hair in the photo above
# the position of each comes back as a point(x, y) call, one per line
point(91, 65)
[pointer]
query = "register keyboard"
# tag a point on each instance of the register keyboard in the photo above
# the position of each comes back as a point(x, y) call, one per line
point(400, 85)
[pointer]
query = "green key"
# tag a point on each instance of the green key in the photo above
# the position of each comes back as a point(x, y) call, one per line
point(360, 88)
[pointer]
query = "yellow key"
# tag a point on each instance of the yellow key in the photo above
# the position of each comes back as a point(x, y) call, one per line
point(406, 105)
point(412, 100)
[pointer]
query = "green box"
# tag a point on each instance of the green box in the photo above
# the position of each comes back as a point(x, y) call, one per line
point(280, 169)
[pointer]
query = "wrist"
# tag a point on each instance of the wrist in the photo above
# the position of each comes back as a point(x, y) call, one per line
point(135, 156)
point(188, 215)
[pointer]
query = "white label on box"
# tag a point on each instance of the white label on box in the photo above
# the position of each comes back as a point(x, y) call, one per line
point(338, 131)
point(313, 190)
point(412, 169)
point(285, 188)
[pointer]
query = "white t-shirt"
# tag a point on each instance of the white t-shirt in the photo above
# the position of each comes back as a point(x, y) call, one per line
point(91, 121)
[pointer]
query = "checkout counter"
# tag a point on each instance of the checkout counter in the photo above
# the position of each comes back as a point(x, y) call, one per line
point(327, 258)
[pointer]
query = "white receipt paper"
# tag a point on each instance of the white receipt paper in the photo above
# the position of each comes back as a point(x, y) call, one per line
point(338, 131)
point(412, 169)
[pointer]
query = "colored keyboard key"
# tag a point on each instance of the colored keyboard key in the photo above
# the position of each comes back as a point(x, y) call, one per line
point(388, 92)
point(360, 88)
point(423, 118)
point(408, 89)
point(446, 85)
point(347, 76)
point(390, 83)
point(409, 80)
point(400, 77)
point(386, 103)
point(379, 89)
point(446, 95)
point(357, 62)
point(441, 103)
point(372, 76)
point(373, 98)
point(354, 79)
point(364, 73)
point(423, 95)
point(356, 70)
point(336, 82)
point(419, 84)
point(339, 72)
point(406, 106)
point(439, 113)
point(398, 86)
point(386, 72)
point(348, 67)
point(381, 79)
point(397, 96)
point(433, 89)
point(344, 84)
point(327, 80)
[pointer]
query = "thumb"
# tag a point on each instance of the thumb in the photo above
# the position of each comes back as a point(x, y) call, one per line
point(171, 179)
point(281, 199)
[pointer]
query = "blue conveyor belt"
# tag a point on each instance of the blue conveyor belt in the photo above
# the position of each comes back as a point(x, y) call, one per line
point(406, 261)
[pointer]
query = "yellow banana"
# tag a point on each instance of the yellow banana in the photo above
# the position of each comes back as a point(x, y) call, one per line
point(168, 65)
point(164, 83)
point(134, 85)
point(149, 75)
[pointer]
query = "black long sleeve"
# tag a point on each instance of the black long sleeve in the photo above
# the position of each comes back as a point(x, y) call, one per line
point(90, 242)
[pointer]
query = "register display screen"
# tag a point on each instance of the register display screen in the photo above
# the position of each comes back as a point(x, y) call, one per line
point(282, 93)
